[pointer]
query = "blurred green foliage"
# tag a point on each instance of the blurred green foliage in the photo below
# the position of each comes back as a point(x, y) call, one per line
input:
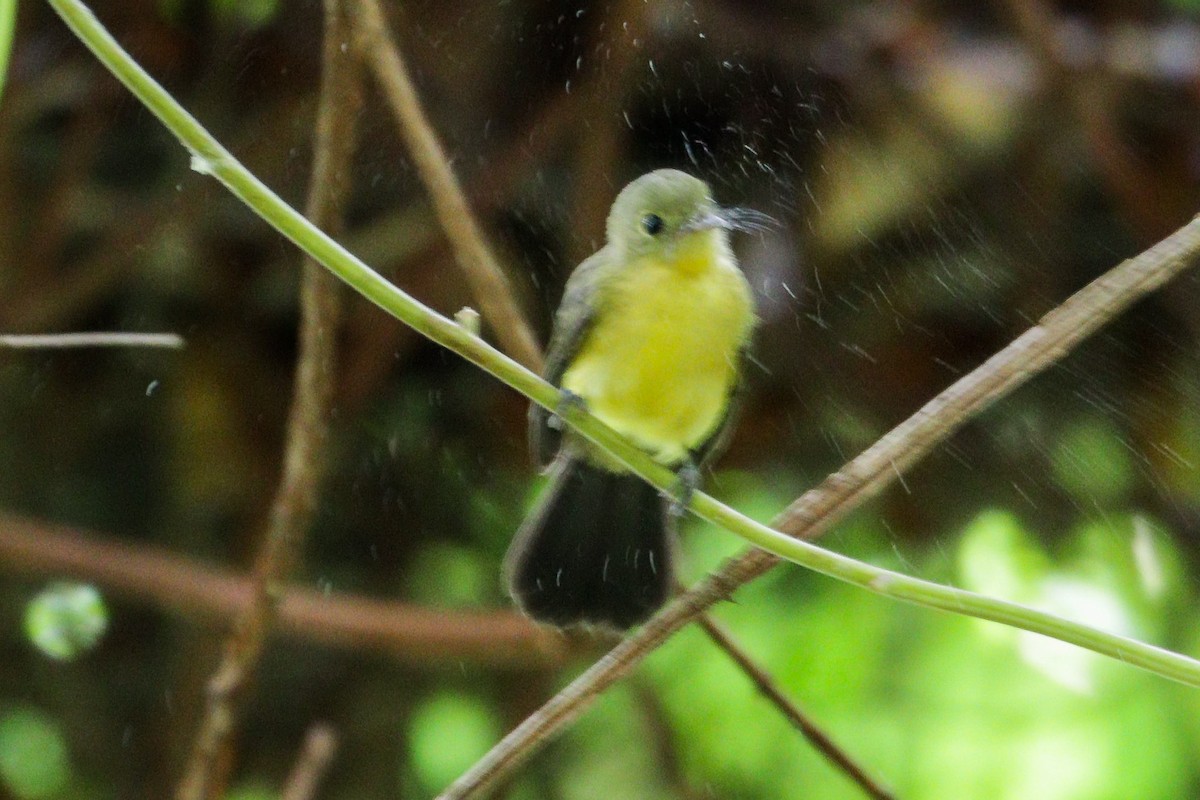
point(940, 706)
point(66, 620)
point(33, 753)
point(8, 18)
point(248, 14)
point(447, 733)
point(256, 790)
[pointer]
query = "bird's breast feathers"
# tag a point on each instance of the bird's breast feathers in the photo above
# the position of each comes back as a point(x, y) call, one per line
point(661, 359)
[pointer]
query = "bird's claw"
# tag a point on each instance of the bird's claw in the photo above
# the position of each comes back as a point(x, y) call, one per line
point(687, 480)
point(567, 400)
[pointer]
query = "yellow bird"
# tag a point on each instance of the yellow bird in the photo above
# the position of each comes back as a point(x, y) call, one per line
point(650, 335)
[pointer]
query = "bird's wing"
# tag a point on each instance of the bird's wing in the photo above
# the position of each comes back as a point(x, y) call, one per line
point(572, 323)
point(715, 444)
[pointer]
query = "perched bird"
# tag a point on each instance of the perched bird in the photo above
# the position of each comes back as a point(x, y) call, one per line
point(650, 335)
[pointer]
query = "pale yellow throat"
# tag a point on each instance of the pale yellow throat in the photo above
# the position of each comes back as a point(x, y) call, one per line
point(660, 362)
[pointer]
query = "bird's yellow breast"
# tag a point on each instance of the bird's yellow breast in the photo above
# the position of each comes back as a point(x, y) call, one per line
point(660, 361)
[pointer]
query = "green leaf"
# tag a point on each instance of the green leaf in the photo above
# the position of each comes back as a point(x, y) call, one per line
point(252, 790)
point(448, 733)
point(1091, 462)
point(448, 575)
point(248, 13)
point(33, 754)
point(997, 557)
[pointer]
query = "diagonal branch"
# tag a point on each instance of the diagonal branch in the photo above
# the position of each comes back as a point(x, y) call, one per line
point(416, 635)
point(296, 498)
point(320, 746)
point(819, 739)
point(487, 280)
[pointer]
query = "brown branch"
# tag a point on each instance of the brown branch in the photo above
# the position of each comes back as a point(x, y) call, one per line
point(320, 745)
point(414, 634)
point(296, 498)
point(820, 740)
point(839, 759)
point(486, 278)
point(662, 742)
point(864, 477)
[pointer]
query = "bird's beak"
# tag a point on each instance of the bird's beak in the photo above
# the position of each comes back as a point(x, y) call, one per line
point(730, 219)
point(708, 219)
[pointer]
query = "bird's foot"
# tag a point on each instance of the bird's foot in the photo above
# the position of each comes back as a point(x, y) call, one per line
point(567, 400)
point(687, 480)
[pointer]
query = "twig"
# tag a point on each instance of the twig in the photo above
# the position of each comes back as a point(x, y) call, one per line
point(662, 741)
point(815, 736)
point(483, 273)
point(414, 634)
point(97, 339)
point(320, 745)
point(819, 508)
point(295, 501)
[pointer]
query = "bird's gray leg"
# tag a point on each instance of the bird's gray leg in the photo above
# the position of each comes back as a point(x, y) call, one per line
point(567, 400)
point(687, 481)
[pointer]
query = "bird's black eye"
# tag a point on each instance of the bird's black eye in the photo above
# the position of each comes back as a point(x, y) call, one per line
point(653, 224)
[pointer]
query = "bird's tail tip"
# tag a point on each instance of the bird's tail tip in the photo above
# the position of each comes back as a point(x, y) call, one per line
point(596, 551)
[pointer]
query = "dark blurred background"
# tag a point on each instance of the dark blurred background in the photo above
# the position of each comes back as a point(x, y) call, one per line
point(942, 175)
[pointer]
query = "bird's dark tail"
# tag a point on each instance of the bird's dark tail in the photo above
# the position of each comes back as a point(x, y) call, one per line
point(597, 550)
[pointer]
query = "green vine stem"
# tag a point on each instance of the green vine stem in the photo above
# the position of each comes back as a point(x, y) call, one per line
point(8, 24)
point(209, 157)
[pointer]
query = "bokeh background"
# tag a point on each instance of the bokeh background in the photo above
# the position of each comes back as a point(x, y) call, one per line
point(942, 175)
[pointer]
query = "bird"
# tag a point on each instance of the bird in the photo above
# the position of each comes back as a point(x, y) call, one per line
point(651, 337)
